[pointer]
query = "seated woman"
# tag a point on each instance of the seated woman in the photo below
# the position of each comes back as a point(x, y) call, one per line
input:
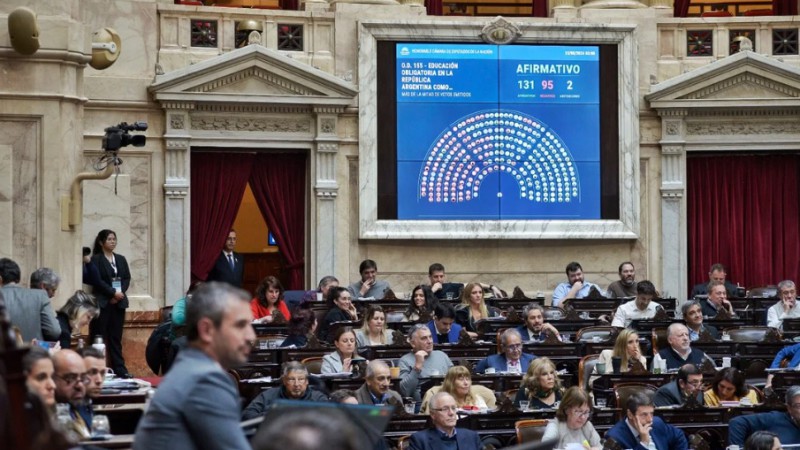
point(540, 385)
point(762, 440)
point(473, 308)
point(458, 383)
point(422, 300)
point(302, 323)
point(342, 309)
point(571, 425)
point(374, 331)
point(38, 369)
point(268, 299)
point(79, 310)
point(626, 347)
point(342, 359)
point(178, 314)
point(729, 386)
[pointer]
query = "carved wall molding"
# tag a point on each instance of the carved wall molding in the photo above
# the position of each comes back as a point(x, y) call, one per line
point(329, 109)
point(254, 109)
point(262, 124)
point(176, 191)
point(177, 144)
point(327, 193)
point(671, 194)
point(176, 121)
point(672, 112)
point(744, 112)
point(672, 150)
point(327, 125)
point(255, 72)
point(740, 128)
point(178, 105)
point(740, 79)
point(672, 127)
point(327, 147)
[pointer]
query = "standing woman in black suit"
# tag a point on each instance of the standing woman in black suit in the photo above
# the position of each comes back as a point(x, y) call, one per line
point(115, 278)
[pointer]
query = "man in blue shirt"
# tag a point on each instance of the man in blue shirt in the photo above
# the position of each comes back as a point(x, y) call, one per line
point(783, 424)
point(444, 435)
point(575, 287)
point(442, 326)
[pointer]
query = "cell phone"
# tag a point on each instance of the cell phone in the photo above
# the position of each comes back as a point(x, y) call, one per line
point(46, 345)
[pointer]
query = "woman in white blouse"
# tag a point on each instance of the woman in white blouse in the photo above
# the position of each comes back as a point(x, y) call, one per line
point(572, 425)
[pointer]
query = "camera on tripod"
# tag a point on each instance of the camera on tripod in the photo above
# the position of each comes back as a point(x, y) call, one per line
point(119, 136)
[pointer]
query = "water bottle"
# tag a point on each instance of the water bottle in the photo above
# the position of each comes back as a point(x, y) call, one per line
point(99, 345)
point(81, 344)
point(64, 419)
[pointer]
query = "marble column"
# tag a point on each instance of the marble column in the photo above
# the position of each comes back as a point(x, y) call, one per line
point(177, 205)
point(326, 189)
point(673, 203)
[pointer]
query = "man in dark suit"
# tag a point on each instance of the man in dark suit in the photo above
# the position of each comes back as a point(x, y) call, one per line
point(717, 273)
point(197, 403)
point(688, 383)
point(28, 309)
point(512, 359)
point(444, 434)
point(640, 430)
point(229, 267)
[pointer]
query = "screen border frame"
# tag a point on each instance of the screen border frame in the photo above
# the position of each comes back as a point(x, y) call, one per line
point(626, 227)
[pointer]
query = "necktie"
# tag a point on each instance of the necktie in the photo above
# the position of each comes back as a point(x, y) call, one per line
point(230, 259)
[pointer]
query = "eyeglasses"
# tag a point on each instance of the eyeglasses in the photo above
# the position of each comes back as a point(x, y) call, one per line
point(695, 382)
point(582, 414)
point(296, 380)
point(796, 406)
point(72, 378)
point(446, 409)
point(514, 347)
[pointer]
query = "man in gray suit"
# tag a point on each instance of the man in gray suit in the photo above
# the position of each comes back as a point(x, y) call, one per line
point(196, 406)
point(376, 388)
point(28, 309)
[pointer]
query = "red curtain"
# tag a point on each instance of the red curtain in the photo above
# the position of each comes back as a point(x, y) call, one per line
point(784, 7)
point(215, 203)
point(743, 213)
point(289, 5)
point(539, 8)
point(278, 182)
point(680, 8)
point(434, 7)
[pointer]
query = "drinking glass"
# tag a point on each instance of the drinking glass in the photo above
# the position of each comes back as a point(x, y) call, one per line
point(600, 402)
point(100, 425)
point(523, 405)
point(410, 407)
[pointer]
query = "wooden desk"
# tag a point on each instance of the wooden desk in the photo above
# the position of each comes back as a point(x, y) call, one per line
point(123, 417)
point(137, 396)
point(122, 441)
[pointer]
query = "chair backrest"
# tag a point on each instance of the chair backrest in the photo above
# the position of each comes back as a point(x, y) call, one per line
point(403, 443)
point(313, 364)
point(659, 339)
point(624, 390)
point(585, 369)
point(604, 333)
point(750, 334)
point(530, 430)
point(758, 12)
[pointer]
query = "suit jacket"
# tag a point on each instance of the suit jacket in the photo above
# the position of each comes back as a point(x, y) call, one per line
point(222, 270)
point(196, 406)
point(452, 336)
point(103, 290)
point(500, 363)
point(665, 436)
point(430, 439)
point(670, 394)
point(31, 312)
point(364, 398)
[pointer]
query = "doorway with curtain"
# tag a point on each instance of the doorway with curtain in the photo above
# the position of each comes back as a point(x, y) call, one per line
point(277, 180)
point(743, 211)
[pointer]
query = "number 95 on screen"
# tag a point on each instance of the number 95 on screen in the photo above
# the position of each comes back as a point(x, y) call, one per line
point(545, 85)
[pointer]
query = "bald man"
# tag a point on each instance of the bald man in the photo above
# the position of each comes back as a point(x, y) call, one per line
point(71, 380)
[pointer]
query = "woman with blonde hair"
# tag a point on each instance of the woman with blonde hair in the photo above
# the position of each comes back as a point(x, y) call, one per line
point(458, 383)
point(473, 308)
point(572, 425)
point(79, 310)
point(374, 331)
point(540, 385)
point(626, 348)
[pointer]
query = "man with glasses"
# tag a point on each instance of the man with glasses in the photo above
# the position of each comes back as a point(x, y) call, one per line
point(783, 424)
point(444, 435)
point(197, 403)
point(376, 389)
point(641, 430)
point(680, 349)
point(786, 308)
point(687, 384)
point(71, 380)
point(294, 387)
point(512, 360)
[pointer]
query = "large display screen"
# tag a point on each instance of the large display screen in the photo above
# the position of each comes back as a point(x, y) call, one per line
point(497, 132)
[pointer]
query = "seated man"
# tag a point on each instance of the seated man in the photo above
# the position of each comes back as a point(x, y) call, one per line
point(642, 307)
point(442, 326)
point(28, 309)
point(369, 286)
point(783, 424)
point(321, 293)
point(717, 299)
point(96, 371)
point(535, 329)
point(71, 379)
point(375, 390)
point(626, 285)
point(640, 430)
point(197, 401)
point(790, 353)
point(512, 359)
point(680, 351)
point(439, 287)
point(423, 361)
point(717, 273)
point(675, 393)
point(294, 386)
point(693, 316)
point(444, 435)
point(575, 287)
point(786, 308)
